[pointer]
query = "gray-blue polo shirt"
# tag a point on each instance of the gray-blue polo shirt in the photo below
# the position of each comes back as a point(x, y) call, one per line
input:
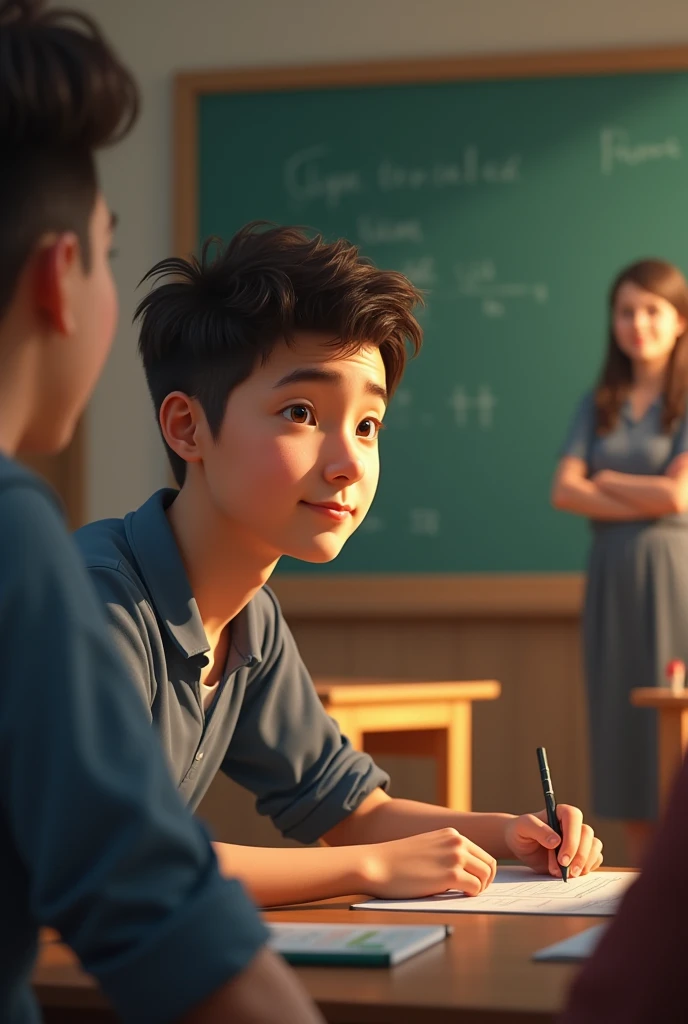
point(94, 840)
point(266, 728)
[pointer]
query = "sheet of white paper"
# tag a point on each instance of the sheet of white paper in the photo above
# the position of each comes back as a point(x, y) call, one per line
point(578, 947)
point(516, 890)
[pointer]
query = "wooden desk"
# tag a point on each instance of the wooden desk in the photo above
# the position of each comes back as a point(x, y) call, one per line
point(482, 974)
point(673, 730)
point(416, 719)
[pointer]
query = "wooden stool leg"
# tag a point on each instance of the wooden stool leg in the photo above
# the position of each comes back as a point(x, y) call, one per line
point(673, 741)
point(459, 754)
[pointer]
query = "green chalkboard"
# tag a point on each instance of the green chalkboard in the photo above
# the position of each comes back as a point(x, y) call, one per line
point(513, 203)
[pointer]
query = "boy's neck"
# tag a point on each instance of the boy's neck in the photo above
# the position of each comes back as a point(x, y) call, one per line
point(18, 370)
point(225, 570)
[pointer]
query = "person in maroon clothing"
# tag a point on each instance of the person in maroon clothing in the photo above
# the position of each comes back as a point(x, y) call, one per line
point(638, 970)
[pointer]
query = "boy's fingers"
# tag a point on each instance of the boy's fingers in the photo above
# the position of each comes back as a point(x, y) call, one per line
point(532, 827)
point(571, 821)
point(474, 876)
point(580, 860)
point(594, 857)
point(482, 855)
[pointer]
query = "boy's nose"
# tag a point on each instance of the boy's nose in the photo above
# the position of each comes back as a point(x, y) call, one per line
point(343, 463)
point(350, 470)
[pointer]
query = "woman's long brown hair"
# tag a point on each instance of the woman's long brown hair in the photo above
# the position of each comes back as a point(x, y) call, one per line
point(666, 281)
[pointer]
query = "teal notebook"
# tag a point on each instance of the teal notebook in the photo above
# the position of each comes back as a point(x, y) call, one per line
point(375, 946)
point(571, 950)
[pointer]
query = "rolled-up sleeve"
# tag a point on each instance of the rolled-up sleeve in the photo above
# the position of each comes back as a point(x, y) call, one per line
point(288, 751)
point(112, 859)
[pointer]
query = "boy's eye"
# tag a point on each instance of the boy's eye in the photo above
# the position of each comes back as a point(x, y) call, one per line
point(299, 414)
point(369, 429)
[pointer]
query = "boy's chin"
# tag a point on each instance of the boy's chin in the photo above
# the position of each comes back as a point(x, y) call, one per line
point(48, 438)
point(319, 552)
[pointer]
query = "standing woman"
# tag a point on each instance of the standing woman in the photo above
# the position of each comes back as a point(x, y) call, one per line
point(625, 467)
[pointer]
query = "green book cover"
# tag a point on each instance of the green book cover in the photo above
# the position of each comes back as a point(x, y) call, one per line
point(373, 946)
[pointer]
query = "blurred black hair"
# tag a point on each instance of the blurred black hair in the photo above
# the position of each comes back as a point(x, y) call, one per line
point(63, 94)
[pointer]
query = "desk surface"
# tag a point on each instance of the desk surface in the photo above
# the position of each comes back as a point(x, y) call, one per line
point(659, 697)
point(482, 974)
point(389, 691)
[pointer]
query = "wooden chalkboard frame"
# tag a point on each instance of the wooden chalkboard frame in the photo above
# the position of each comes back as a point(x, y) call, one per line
point(486, 595)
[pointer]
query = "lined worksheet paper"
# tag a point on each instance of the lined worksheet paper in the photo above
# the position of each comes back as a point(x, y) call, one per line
point(516, 890)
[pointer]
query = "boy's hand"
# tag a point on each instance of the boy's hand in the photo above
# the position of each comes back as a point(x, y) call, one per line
point(425, 864)
point(530, 838)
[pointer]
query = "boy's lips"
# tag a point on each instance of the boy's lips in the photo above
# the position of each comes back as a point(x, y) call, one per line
point(331, 509)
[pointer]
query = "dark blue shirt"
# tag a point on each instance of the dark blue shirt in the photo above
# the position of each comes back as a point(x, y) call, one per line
point(94, 840)
point(636, 446)
point(266, 729)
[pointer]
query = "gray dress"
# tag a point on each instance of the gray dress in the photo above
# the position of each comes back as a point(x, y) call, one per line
point(636, 610)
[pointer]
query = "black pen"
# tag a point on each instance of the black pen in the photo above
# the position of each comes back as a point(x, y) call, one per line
point(550, 803)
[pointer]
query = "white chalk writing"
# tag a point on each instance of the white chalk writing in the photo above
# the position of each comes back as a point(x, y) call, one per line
point(478, 279)
point(421, 271)
point(425, 522)
point(372, 524)
point(376, 231)
point(470, 169)
point(306, 179)
point(616, 148)
point(483, 403)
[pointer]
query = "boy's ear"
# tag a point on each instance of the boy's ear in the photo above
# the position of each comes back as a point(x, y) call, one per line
point(56, 263)
point(180, 418)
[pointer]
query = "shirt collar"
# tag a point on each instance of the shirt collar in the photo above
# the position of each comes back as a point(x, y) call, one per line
point(161, 567)
point(627, 408)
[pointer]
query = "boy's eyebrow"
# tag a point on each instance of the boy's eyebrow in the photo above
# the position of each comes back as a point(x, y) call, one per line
point(328, 377)
point(114, 220)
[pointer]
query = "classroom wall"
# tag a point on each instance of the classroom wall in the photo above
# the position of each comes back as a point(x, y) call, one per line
point(160, 37)
point(537, 660)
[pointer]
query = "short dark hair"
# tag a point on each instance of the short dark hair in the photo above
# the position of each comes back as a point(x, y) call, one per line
point(63, 94)
point(205, 328)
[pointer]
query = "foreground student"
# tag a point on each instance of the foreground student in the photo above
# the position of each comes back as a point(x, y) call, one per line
point(94, 840)
point(270, 366)
point(636, 975)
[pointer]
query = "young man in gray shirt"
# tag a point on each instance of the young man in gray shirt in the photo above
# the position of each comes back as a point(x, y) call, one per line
point(270, 363)
point(94, 840)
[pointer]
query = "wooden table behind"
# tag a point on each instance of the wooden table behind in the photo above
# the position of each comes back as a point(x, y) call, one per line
point(483, 974)
point(672, 725)
point(414, 719)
